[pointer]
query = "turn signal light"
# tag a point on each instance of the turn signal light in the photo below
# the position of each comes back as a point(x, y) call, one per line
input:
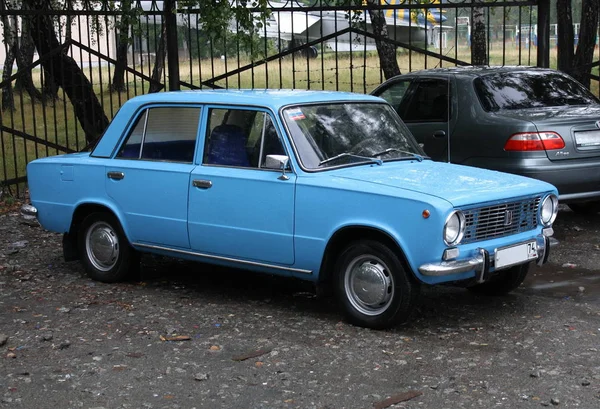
point(534, 141)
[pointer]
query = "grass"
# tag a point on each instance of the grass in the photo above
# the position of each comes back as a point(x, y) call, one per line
point(55, 121)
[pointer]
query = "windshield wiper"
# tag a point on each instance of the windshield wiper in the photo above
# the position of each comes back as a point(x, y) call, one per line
point(389, 150)
point(352, 155)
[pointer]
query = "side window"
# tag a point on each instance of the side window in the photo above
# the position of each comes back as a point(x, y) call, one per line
point(240, 138)
point(394, 94)
point(429, 102)
point(165, 133)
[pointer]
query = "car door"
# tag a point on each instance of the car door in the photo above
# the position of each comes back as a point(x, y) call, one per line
point(238, 207)
point(425, 107)
point(149, 176)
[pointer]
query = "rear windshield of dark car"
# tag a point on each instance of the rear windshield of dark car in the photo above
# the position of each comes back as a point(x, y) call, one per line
point(520, 90)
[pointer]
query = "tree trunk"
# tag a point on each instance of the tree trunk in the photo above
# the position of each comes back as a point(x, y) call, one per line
point(478, 41)
point(10, 40)
point(24, 81)
point(565, 37)
point(386, 51)
point(586, 43)
point(118, 81)
point(67, 74)
point(159, 62)
point(8, 100)
point(49, 87)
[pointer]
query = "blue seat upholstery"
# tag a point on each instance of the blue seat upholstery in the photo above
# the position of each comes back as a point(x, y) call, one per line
point(131, 151)
point(174, 151)
point(227, 146)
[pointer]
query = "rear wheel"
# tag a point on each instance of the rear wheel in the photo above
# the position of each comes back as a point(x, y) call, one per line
point(503, 282)
point(586, 208)
point(372, 286)
point(104, 249)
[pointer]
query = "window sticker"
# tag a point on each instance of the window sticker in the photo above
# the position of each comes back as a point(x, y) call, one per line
point(296, 115)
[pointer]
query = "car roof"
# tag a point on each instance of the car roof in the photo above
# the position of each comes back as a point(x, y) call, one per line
point(476, 71)
point(271, 98)
point(265, 98)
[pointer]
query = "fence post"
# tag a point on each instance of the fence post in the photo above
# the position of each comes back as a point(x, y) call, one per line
point(170, 17)
point(543, 34)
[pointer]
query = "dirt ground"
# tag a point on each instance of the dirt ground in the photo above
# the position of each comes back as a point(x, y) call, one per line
point(196, 336)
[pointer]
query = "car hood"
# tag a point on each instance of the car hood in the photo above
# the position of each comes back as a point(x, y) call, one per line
point(549, 115)
point(459, 185)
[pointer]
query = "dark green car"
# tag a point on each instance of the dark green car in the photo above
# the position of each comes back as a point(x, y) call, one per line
point(533, 122)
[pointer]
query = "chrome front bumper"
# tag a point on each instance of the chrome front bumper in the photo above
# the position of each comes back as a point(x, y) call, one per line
point(482, 262)
point(29, 212)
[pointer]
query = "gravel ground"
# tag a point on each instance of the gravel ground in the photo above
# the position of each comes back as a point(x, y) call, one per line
point(195, 336)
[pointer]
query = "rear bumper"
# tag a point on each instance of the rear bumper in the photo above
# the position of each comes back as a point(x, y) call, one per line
point(482, 262)
point(574, 183)
point(575, 179)
point(29, 212)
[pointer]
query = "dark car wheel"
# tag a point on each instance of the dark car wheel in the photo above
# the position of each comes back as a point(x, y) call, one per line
point(586, 208)
point(504, 282)
point(104, 249)
point(372, 286)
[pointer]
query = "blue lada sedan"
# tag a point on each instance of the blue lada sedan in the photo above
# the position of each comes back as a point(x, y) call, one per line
point(324, 186)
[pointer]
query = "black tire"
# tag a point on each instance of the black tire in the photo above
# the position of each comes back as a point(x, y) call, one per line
point(386, 306)
point(112, 260)
point(585, 208)
point(503, 282)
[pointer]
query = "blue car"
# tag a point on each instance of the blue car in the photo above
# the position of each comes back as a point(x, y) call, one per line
point(328, 187)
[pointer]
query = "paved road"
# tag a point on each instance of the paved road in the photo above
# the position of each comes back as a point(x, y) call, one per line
point(74, 343)
point(574, 268)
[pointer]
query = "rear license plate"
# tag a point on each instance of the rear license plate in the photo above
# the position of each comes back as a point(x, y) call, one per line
point(510, 256)
point(587, 140)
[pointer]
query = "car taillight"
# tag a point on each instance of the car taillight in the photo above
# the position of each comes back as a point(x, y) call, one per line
point(534, 141)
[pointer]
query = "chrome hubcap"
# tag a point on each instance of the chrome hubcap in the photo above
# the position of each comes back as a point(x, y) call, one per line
point(102, 246)
point(369, 285)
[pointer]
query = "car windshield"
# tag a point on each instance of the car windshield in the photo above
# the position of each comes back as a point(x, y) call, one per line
point(530, 89)
point(329, 135)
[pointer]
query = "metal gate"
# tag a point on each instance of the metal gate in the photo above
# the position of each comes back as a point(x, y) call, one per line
point(325, 45)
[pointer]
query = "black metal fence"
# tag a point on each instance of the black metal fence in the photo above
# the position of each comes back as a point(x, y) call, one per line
point(129, 48)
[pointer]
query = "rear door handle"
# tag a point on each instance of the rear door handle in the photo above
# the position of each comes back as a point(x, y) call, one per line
point(115, 175)
point(202, 184)
point(439, 134)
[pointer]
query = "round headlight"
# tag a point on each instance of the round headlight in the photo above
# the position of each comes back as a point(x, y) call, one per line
point(548, 210)
point(454, 228)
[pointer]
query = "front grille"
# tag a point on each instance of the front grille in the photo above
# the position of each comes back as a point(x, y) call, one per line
point(501, 220)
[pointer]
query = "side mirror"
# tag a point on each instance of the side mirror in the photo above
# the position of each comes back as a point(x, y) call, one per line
point(279, 162)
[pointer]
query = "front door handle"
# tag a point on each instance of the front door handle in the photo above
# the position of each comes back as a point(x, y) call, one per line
point(115, 175)
point(202, 184)
point(439, 134)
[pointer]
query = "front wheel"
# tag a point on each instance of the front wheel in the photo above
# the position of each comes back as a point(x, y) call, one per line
point(104, 249)
point(503, 282)
point(585, 208)
point(373, 287)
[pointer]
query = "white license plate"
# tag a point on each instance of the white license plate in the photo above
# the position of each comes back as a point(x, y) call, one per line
point(509, 256)
point(587, 139)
